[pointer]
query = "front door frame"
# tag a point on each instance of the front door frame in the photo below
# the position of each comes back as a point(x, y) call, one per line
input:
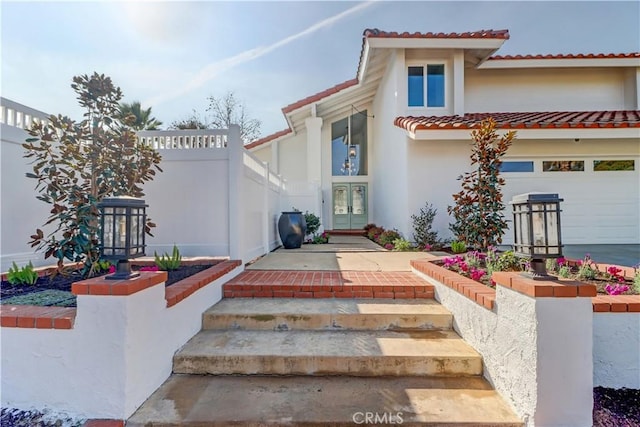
point(349, 215)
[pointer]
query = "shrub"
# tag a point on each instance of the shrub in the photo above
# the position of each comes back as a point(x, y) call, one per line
point(374, 233)
point(102, 265)
point(388, 237)
point(564, 271)
point(168, 263)
point(423, 234)
point(478, 209)
point(458, 247)
point(636, 281)
point(77, 164)
point(508, 261)
point(320, 239)
point(312, 221)
point(587, 269)
point(402, 245)
point(368, 227)
point(22, 276)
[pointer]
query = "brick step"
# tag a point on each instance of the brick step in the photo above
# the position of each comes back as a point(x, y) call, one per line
point(327, 284)
point(283, 314)
point(191, 400)
point(355, 353)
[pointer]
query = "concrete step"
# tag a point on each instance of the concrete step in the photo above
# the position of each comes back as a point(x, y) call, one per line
point(357, 353)
point(191, 400)
point(326, 314)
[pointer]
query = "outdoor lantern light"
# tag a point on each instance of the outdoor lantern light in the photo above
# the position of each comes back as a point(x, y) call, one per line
point(122, 232)
point(536, 224)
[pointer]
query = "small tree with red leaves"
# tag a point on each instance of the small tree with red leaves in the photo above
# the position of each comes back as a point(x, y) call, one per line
point(478, 209)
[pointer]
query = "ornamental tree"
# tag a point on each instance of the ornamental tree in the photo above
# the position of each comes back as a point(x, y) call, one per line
point(478, 210)
point(77, 164)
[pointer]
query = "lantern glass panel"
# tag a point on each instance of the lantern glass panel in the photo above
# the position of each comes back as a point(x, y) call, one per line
point(539, 229)
point(523, 225)
point(108, 231)
point(134, 235)
point(121, 231)
point(552, 230)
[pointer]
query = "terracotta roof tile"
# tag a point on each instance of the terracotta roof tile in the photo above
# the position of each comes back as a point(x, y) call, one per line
point(569, 56)
point(482, 34)
point(267, 138)
point(535, 120)
point(318, 96)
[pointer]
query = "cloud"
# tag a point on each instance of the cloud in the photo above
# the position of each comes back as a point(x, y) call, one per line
point(210, 71)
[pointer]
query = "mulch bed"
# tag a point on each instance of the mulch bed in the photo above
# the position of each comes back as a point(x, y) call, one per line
point(616, 407)
point(56, 291)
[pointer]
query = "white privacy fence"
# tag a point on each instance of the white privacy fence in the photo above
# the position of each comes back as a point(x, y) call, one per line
point(213, 198)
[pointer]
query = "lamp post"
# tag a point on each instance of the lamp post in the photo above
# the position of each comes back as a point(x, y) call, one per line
point(536, 224)
point(122, 232)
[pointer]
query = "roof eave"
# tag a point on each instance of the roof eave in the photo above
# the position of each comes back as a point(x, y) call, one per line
point(527, 134)
point(437, 43)
point(559, 63)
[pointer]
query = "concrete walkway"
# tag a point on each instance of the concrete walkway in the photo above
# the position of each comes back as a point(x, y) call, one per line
point(342, 253)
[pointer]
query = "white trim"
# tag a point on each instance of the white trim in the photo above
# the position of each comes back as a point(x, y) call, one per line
point(425, 109)
point(560, 63)
point(563, 133)
point(444, 43)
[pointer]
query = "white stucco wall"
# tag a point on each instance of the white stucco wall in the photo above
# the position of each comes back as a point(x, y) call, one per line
point(616, 350)
point(533, 351)
point(389, 151)
point(292, 152)
point(548, 89)
point(433, 168)
point(606, 203)
point(119, 351)
point(263, 153)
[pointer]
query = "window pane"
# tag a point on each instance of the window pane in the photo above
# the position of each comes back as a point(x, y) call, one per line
point(524, 166)
point(563, 166)
point(349, 145)
point(416, 86)
point(613, 165)
point(435, 85)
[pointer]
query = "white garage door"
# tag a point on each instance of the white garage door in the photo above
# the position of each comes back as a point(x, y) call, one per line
point(601, 196)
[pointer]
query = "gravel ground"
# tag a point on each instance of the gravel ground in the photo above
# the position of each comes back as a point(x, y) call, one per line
point(20, 418)
point(616, 407)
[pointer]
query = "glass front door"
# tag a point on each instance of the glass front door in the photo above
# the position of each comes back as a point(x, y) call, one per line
point(349, 206)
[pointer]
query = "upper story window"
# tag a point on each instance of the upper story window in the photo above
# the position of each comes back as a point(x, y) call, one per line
point(426, 85)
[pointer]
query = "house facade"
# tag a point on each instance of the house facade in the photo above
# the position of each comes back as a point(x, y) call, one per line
point(398, 135)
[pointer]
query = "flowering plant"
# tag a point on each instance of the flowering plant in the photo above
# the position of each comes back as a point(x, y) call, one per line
point(616, 289)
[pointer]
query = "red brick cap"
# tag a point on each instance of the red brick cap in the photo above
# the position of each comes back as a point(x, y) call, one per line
point(525, 120)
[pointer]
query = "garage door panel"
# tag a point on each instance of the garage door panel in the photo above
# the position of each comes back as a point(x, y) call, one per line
point(598, 207)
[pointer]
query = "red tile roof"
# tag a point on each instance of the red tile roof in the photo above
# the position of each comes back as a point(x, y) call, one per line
point(482, 34)
point(267, 138)
point(318, 96)
point(539, 120)
point(570, 56)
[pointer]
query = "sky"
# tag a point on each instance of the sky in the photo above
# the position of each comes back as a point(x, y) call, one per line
point(173, 55)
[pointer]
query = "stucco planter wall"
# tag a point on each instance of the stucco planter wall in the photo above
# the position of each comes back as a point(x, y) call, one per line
point(117, 350)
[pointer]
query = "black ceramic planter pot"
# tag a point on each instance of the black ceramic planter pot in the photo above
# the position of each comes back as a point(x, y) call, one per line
point(292, 228)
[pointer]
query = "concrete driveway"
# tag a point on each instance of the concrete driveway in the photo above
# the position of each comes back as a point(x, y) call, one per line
point(627, 255)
